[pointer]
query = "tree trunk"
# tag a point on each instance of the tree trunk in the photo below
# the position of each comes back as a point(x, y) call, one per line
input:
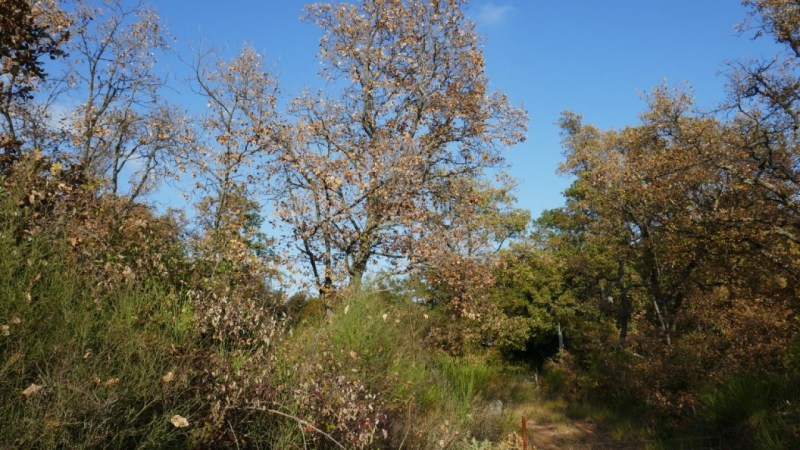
point(357, 272)
point(624, 312)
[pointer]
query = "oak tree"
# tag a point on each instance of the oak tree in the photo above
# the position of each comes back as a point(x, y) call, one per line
point(123, 132)
point(29, 31)
point(413, 116)
point(236, 138)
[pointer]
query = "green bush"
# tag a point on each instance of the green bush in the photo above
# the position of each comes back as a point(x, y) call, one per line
point(85, 367)
point(751, 409)
point(421, 396)
point(101, 363)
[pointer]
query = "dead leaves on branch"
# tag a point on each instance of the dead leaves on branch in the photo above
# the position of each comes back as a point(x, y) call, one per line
point(366, 163)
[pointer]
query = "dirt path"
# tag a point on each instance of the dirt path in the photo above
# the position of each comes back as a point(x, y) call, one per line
point(554, 424)
point(570, 434)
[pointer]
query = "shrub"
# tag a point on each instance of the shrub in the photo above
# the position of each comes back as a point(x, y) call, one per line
point(103, 341)
point(112, 371)
point(750, 408)
point(415, 395)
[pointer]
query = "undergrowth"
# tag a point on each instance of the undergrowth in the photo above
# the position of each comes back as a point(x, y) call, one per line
point(420, 397)
point(79, 371)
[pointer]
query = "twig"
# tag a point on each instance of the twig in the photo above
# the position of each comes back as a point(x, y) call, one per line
point(408, 421)
point(300, 422)
point(235, 438)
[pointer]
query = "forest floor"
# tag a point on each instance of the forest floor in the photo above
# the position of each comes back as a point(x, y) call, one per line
point(565, 434)
point(553, 423)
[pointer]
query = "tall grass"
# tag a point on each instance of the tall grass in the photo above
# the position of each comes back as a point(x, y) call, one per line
point(80, 369)
point(431, 397)
point(749, 409)
point(466, 378)
point(99, 361)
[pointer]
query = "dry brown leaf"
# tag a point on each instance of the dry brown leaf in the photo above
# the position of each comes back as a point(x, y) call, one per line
point(179, 421)
point(169, 376)
point(32, 389)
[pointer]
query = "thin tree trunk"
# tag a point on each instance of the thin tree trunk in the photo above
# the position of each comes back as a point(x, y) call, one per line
point(624, 313)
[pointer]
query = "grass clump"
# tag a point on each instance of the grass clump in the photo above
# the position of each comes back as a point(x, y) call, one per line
point(81, 371)
point(754, 410)
point(418, 396)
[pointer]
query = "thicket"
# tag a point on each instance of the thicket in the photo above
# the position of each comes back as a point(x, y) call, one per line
point(666, 288)
point(118, 346)
point(672, 269)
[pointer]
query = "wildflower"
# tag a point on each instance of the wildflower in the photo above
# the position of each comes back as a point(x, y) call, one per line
point(56, 168)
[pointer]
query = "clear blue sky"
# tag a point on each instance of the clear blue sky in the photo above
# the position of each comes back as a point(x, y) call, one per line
point(589, 56)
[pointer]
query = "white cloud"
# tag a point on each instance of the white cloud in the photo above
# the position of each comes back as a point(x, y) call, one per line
point(494, 14)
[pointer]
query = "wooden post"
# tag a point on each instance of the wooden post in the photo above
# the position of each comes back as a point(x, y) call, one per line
point(524, 433)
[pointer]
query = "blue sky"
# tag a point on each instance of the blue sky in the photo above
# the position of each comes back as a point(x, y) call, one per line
point(592, 57)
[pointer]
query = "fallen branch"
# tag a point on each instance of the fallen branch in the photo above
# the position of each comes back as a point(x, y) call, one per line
point(301, 423)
